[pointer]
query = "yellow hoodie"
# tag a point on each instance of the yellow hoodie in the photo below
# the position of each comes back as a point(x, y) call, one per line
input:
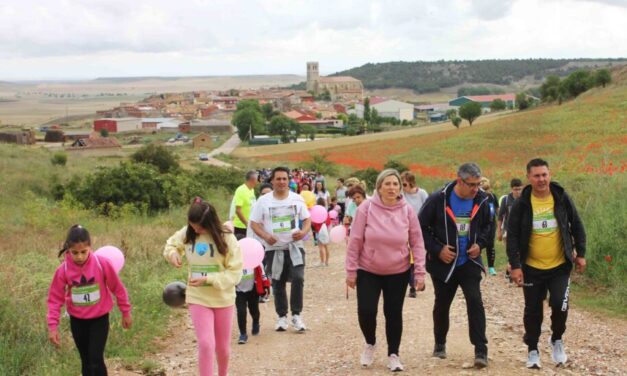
point(222, 272)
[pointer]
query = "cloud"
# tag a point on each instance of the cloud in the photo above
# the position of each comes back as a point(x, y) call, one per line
point(491, 9)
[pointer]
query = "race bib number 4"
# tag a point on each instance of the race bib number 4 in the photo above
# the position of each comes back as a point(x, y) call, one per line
point(86, 295)
point(203, 270)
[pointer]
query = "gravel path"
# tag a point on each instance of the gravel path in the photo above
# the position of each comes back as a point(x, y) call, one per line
point(595, 345)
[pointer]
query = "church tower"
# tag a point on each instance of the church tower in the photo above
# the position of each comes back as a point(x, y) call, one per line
point(313, 77)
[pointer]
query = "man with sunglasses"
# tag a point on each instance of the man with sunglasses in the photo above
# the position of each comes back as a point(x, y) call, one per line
point(455, 224)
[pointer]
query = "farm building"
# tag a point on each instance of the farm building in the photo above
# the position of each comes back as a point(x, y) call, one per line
point(202, 140)
point(20, 137)
point(388, 108)
point(159, 123)
point(118, 125)
point(211, 126)
point(54, 135)
point(324, 123)
point(485, 100)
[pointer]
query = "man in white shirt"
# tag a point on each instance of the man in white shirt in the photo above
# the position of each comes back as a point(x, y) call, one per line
point(276, 219)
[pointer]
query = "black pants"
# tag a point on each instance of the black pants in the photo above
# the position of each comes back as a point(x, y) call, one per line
point(343, 210)
point(369, 287)
point(293, 274)
point(90, 336)
point(239, 233)
point(491, 252)
point(468, 277)
point(248, 299)
point(537, 283)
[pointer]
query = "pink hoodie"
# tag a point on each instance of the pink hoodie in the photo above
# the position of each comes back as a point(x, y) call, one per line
point(379, 239)
point(96, 270)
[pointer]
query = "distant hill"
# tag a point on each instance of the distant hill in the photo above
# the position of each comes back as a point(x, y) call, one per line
point(424, 76)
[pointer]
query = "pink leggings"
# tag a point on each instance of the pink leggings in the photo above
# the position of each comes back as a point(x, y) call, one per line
point(213, 333)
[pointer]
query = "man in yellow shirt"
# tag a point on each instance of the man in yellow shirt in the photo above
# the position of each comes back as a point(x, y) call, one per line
point(243, 201)
point(545, 238)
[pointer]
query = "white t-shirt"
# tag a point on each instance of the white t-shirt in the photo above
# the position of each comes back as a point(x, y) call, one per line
point(416, 200)
point(323, 195)
point(280, 218)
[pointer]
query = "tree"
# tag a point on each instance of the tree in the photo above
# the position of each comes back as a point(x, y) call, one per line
point(522, 102)
point(602, 77)
point(375, 119)
point(456, 120)
point(367, 110)
point(282, 126)
point(451, 114)
point(470, 111)
point(550, 89)
point(156, 155)
point(309, 130)
point(577, 83)
point(268, 111)
point(104, 132)
point(326, 95)
point(248, 103)
point(498, 105)
point(249, 122)
point(343, 117)
point(398, 166)
point(321, 163)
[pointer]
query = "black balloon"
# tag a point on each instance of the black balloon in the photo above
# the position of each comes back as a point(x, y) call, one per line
point(174, 294)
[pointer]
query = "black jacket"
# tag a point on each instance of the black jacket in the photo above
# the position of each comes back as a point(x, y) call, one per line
point(439, 229)
point(519, 226)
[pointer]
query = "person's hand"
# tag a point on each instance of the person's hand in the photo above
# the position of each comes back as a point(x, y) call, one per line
point(197, 282)
point(500, 236)
point(446, 254)
point(298, 235)
point(474, 251)
point(53, 336)
point(270, 239)
point(517, 276)
point(580, 262)
point(351, 282)
point(175, 259)
point(127, 322)
point(419, 285)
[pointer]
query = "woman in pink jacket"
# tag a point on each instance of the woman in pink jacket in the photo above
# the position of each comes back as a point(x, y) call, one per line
point(85, 283)
point(384, 231)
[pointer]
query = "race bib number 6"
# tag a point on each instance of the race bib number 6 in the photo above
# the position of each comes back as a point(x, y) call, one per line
point(86, 295)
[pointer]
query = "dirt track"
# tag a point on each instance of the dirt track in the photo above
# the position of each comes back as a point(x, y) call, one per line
point(333, 341)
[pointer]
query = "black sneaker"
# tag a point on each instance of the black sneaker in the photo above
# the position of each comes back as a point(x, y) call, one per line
point(255, 330)
point(481, 360)
point(439, 351)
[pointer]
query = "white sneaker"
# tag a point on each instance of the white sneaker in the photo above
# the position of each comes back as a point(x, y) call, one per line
point(367, 356)
point(298, 323)
point(533, 359)
point(558, 354)
point(394, 363)
point(281, 324)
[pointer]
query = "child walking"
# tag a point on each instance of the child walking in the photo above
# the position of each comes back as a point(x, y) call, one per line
point(254, 284)
point(215, 267)
point(321, 236)
point(84, 282)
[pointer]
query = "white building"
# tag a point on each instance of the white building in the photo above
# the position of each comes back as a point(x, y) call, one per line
point(388, 108)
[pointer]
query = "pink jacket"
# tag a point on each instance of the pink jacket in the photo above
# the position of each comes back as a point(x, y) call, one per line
point(70, 277)
point(381, 239)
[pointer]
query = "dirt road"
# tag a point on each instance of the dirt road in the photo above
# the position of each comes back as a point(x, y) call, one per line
point(333, 341)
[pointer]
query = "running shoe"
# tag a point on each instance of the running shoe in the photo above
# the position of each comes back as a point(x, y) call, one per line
point(281, 324)
point(394, 363)
point(367, 356)
point(558, 354)
point(298, 323)
point(533, 359)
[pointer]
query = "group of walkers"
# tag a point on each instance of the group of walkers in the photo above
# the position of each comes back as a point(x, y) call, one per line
point(395, 237)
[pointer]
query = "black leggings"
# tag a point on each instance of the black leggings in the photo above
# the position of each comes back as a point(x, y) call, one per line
point(538, 282)
point(490, 246)
point(369, 287)
point(242, 300)
point(90, 336)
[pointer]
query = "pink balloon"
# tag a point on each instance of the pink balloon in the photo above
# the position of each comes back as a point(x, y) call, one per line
point(114, 255)
point(332, 214)
point(318, 214)
point(338, 234)
point(252, 252)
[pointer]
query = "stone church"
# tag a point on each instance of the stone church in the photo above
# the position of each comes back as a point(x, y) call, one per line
point(341, 87)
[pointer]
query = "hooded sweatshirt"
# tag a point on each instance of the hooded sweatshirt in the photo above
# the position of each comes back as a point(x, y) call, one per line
point(88, 292)
point(382, 237)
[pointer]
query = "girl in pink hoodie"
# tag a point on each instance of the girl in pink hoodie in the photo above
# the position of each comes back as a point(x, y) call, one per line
point(383, 233)
point(85, 282)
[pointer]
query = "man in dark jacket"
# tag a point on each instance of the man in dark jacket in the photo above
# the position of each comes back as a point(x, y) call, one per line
point(545, 237)
point(455, 225)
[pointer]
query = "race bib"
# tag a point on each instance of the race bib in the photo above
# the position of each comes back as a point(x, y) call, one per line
point(283, 219)
point(463, 224)
point(544, 223)
point(86, 295)
point(203, 270)
point(246, 276)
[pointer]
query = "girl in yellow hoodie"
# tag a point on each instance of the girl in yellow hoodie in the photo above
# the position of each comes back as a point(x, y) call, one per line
point(214, 268)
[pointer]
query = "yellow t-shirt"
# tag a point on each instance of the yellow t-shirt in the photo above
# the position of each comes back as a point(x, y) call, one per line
point(546, 249)
point(244, 197)
point(222, 272)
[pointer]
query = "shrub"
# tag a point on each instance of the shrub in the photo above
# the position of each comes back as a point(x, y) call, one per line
point(398, 166)
point(59, 159)
point(156, 155)
point(321, 163)
point(369, 175)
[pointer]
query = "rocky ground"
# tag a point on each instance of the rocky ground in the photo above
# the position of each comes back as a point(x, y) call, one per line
point(596, 345)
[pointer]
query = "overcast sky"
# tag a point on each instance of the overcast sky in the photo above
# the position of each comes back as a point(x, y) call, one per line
point(103, 38)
